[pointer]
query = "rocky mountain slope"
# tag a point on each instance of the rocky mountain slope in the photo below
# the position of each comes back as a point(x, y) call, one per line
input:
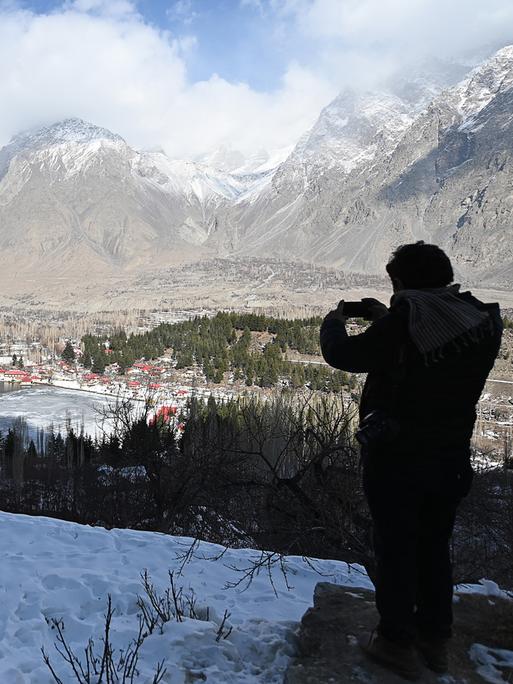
point(426, 159)
point(76, 196)
point(441, 174)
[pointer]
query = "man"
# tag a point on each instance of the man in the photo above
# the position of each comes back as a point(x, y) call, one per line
point(427, 359)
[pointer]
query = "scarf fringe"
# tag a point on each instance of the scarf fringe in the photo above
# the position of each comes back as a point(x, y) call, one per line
point(440, 320)
point(466, 339)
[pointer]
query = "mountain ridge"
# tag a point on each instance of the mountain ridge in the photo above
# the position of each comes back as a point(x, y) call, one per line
point(377, 169)
point(352, 221)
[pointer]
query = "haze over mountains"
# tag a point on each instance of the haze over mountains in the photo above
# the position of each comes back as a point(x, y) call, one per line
point(429, 158)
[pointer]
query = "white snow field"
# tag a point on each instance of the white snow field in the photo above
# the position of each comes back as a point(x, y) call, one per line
point(61, 570)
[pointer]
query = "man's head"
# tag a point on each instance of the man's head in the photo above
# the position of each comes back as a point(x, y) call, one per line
point(418, 266)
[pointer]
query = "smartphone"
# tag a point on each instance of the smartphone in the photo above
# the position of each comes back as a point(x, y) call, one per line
point(355, 309)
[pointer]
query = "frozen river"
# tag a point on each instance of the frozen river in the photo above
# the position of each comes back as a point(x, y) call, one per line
point(43, 406)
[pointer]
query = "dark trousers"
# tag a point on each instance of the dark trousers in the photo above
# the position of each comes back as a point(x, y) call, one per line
point(413, 508)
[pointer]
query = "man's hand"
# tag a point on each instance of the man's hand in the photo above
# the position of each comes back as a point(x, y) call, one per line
point(337, 314)
point(376, 309)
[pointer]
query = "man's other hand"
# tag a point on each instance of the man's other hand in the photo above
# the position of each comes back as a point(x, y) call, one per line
point(337, 314)
point(376, 309)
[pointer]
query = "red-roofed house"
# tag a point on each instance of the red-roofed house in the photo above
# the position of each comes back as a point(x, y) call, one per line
point(15, 373)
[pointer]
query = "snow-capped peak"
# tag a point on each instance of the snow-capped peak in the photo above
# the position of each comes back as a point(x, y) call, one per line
point(70, 146)
point(69, 132)
point(66, 131)
point(233, 161)
point(195, 179)
point(351, 128)
point(484, 83)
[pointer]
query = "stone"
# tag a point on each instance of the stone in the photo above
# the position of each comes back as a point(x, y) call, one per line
point(328, 652)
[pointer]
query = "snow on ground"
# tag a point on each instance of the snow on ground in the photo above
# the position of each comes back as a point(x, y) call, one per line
point(486, 588)
point(43, 406)
point(55, 569)
point(489, 661)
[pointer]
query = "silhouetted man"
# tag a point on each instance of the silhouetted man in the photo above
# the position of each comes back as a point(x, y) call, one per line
point(427, 359)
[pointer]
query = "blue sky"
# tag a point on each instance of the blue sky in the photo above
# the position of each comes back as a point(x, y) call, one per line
point(234, 39)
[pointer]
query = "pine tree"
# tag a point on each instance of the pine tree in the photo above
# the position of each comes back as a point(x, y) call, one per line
point(98, 363)
point(68, 353)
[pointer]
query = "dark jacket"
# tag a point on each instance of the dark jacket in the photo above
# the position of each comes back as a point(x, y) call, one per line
point(434, 404)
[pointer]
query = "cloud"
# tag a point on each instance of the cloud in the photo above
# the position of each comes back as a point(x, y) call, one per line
point(183, 11)
point(106, 65)
point(112, 8)
point(72, 63)
point(236, 116)
point(101, 61)
point(358, 36)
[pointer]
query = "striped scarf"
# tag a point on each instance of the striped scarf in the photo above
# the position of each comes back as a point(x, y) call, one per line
point(438, 317)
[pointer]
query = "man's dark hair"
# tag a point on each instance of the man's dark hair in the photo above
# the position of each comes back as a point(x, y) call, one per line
point(419, 266)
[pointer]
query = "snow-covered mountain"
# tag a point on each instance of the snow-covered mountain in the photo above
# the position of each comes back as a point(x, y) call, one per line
point(59, 137)
point(427, 158)
point(75, 193)
point(234, 162)
point(485, 82)
point(359, 125)
point(377, 170)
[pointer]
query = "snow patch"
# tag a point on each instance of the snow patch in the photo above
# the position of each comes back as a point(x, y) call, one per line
point(490, 661)
point(53, 569)
point(485, 588)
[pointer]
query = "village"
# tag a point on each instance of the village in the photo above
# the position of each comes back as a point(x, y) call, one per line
point(166, 389)
point(160, 382)
point(157, 383)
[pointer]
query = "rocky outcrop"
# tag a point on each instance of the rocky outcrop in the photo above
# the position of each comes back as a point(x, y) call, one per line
point(329, 653)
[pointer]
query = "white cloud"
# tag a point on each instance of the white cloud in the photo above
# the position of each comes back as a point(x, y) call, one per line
point(357, 36)
point(116, 71)
point(186, 44)
point(234, 115)
point(99, 60)
point(182, 10)
point(112, 8)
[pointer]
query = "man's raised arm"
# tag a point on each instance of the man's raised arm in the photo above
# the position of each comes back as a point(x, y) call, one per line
point(368, 351)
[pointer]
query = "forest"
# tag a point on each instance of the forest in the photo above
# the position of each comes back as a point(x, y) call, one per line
point(225, 344)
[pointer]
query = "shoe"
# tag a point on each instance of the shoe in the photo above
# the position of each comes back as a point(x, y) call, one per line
point(434, 652)
point(398, 658)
